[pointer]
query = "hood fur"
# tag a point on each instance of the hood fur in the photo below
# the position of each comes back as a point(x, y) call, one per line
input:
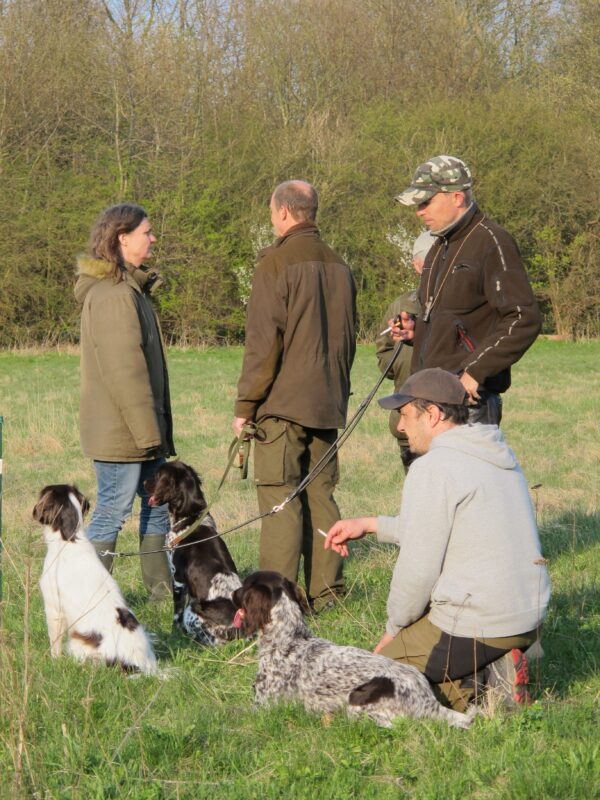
point(93, 267)
point(89, 272)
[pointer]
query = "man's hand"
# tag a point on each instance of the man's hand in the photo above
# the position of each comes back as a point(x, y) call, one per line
point(385, 639)
point(237, 424)
point(471, 388)
point(404, 330)
point(346, 529)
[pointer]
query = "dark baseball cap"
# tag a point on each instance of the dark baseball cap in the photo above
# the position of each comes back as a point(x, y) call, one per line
point(435, 385)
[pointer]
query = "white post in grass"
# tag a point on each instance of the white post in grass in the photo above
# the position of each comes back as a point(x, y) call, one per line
point(1, 424)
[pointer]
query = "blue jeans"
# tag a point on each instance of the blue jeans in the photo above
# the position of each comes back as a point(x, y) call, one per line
point(118, 484)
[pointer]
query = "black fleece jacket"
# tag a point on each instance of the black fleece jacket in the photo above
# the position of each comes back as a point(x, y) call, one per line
point(483, 316)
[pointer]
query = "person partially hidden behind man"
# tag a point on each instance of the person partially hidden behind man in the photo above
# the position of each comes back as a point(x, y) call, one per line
point(479, 314)
point(470, 587)
point(385, 344)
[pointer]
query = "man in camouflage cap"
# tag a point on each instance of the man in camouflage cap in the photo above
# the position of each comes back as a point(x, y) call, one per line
point(479, 314)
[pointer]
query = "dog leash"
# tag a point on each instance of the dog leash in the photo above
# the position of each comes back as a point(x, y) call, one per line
point(342, 438)
point(237, 446)
point(177, 543)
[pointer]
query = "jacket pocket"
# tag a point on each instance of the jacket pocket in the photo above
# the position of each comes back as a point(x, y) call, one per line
point(269, 452)
point(463, 337)
point(462, 291)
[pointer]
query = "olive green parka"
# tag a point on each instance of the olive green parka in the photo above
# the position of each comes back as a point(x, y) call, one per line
point(125, 407)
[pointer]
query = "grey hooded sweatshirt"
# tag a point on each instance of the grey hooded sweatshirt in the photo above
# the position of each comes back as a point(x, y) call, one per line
point(469, 547)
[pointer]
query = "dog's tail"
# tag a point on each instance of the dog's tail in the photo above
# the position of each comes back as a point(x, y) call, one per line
point(456, 718)
point(382, 688)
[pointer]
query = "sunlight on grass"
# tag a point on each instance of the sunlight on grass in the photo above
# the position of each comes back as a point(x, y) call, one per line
point(72, 731)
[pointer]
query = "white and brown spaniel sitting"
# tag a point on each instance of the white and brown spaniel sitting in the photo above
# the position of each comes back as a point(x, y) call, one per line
point(81, 599)
point(325, 677)
point(204, 574)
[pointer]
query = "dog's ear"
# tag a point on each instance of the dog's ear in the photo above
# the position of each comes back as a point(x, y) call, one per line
point(83, 501)
point(297, 594)
point(238, 597)
point(194, 487)
point(219, 611)
point(42, 509)
point(67, 521)
point(257, 602)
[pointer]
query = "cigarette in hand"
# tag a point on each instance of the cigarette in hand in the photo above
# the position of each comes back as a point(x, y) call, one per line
point(396, 320)
point(321, 532)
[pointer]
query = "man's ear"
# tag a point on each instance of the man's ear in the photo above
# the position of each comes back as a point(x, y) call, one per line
point(460, 200)
point(436, 415)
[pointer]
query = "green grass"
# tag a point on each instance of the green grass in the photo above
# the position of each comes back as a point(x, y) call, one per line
point(70, 731)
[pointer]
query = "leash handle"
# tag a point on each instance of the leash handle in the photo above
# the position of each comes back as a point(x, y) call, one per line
point(241, 448)
point(246, 435)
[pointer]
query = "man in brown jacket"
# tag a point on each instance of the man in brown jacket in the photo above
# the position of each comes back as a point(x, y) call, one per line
point(295, 383)
point(479, 313)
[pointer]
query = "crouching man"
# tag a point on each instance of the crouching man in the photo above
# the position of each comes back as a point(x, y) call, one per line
point(470, 587)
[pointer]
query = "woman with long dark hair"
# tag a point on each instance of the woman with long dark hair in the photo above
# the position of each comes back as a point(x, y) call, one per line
point(125, 414)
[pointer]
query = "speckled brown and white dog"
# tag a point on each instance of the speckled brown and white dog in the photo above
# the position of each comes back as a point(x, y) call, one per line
point(325, 677)
point(81, 598)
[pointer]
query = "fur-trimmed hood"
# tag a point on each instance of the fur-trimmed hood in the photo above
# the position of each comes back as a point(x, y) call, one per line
point(94, 267)
point(90, 270)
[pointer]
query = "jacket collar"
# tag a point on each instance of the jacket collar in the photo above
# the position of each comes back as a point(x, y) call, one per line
point(297, 230)
point(148, 280)
point(458, 227)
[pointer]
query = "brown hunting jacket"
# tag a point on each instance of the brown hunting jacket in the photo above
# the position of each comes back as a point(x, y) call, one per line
point(484, 314)
point(300, 334)
point(125, 408)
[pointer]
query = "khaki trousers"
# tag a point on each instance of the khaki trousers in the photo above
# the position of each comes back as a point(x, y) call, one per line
point(284, 454)
point(445, 659)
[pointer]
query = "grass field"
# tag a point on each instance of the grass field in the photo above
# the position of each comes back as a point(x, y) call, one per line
point(70, 731)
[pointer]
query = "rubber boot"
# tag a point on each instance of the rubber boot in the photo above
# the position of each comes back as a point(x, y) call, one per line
point(155, 567)
point(104, 544)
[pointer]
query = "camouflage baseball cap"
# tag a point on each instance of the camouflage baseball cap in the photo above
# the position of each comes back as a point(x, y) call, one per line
point(439, 174)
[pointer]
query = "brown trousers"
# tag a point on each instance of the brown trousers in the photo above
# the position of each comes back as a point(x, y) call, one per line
point(445, 659)
point(284, 454)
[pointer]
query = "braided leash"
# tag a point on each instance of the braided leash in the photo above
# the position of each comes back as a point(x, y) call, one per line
point(177, 544)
